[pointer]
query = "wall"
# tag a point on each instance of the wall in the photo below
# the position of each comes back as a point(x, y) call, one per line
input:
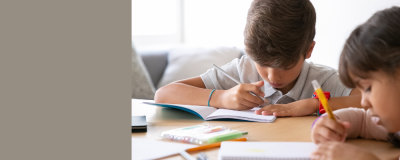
point(221, 22)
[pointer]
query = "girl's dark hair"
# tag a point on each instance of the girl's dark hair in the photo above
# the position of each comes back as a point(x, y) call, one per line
point(372, 46)
point(394, 139)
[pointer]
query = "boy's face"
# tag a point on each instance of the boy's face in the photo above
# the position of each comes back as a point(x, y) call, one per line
point(281, 79)
point(381, 94)
point(284, 79)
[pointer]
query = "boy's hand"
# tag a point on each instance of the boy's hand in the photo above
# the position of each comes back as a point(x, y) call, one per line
point(326, 129)
point(340, 151)
point(299, 108)
point(239, 98)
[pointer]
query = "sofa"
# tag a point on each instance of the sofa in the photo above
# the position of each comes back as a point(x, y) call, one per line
point(154, 68)
point(156, 62)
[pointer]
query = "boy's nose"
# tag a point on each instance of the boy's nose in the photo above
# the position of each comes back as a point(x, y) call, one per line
point(274, 75)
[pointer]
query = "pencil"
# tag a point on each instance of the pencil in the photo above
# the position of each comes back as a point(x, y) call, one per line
point(212, 145)
point(323, 99)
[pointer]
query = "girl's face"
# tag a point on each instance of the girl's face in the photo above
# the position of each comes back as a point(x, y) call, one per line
point(381, 94)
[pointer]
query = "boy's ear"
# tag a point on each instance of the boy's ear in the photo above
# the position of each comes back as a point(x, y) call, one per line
point(310, 49)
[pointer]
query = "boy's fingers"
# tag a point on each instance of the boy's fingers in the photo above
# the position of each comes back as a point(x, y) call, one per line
point(249, 103)
point(269, 107)
point(276, 110)
point(285, 113)
point(259, 84)
point(243, 107)
point(258, 112)
point(253, 99)
point(265, 113)
point(254, 88)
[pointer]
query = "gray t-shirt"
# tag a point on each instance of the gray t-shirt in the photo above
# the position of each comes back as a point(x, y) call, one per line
point(244, 70)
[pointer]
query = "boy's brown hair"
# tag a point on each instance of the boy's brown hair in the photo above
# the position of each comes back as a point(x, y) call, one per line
point(279, 32)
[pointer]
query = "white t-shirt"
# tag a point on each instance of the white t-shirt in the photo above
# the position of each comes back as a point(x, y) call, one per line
point(245, 71)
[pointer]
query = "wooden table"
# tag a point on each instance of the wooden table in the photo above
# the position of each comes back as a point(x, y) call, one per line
point(293, 129)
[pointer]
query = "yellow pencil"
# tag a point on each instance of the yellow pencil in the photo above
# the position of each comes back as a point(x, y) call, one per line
point(212, 145)
point(323, 99)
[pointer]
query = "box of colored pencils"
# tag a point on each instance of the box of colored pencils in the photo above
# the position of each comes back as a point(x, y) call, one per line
point(202, 134)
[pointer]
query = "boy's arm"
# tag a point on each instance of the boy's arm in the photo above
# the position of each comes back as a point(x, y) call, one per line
point(193, 92)
point(189, 91)
point(308, 106)
point(353, 100)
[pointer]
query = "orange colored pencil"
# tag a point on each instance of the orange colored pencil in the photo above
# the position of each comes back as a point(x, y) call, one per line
point(212, 145)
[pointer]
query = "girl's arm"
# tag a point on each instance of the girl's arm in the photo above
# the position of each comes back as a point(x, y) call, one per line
point(361, 124)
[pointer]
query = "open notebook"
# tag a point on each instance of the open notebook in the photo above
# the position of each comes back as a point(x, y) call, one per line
point(266, 150)
point(211, 113)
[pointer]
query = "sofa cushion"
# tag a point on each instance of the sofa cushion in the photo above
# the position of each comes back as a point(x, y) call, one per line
point(186, 62)
point(142, 87)
point(155, 61)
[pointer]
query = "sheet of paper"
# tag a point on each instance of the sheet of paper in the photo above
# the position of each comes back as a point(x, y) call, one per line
point(152, 149)
point(266, 150)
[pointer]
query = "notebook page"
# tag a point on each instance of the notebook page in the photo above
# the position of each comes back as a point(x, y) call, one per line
point(266, 150)
point(248, 115)
point(201, 111)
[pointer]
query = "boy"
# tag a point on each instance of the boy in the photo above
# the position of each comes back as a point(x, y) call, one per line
point(278, 37)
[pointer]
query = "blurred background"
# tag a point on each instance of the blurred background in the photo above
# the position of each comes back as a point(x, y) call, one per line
point(164, 23)
point(161, 26)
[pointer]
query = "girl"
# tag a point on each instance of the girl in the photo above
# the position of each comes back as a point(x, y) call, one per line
point(370, 61)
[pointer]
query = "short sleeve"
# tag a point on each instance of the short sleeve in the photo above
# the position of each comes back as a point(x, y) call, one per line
point(214, 80)
point(335, 86)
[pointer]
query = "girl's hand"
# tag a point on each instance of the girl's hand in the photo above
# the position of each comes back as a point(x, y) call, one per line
point(326, 129)
point(298, 108)
point(239, 98)
point(339, 151)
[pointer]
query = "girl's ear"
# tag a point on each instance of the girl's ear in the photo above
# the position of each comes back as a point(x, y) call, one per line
point(310, 49)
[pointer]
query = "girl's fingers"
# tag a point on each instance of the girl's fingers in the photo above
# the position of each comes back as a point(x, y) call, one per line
point(336, 127)
point(329, 134)
point(346, 125)
point(320, 139)
point(320, 153)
